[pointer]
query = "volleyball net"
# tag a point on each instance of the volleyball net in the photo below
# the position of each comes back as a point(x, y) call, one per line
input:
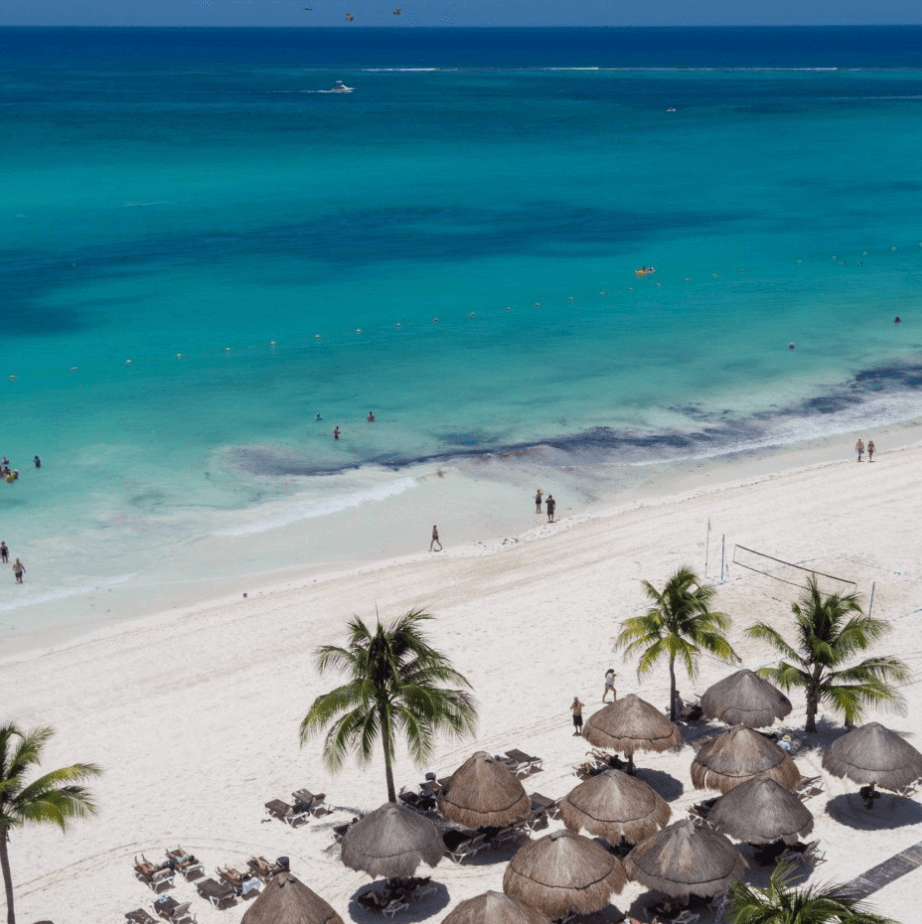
point(789, 573)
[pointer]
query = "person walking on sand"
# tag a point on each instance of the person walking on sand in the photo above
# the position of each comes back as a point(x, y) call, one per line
point(538, 497)
point(577, 710)
point(871, 449)
point(551, 506)
point(435, 539)
point(4, 553)
point(859, 448)
point(19, 569)
point(610, 685)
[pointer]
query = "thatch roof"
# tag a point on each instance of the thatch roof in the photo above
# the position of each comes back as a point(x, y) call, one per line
point(286, 900)
point(684, 860)
point(631, 724)
point(614, 804)
point(739, 755)
point(391, 841)
point(744, 698)
point(495, 908)
point(874, 754)
point(483, 792)
point(760, 811)
point(563, 873)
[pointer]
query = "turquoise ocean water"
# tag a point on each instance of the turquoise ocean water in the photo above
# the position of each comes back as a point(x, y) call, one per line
point(201, 249)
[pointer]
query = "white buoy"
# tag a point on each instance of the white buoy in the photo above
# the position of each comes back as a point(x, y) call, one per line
point(227, 349)
point(893, 248)
point(688, 278)
point(316, 336)
point(271, 343)
point(508, 307)
point(799, 262)
point(570, 298)
point(630, 288)
point(12, 378)
point(435, 320)
point(398, 324)
point(127, 362)
point(179, 355)
point(537, 304)
point(602, 293)
point(659, 285)
point(73, 368)
point(714, 275)
point(358, 330)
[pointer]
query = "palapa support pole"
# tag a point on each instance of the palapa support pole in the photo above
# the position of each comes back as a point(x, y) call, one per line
point(723, 545)
point(707, 547)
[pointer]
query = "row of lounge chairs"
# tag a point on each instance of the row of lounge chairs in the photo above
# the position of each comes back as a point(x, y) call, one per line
point(598, 762)
point(221, 892)
point(303, 807)
point(159, 876)
point(397, 895)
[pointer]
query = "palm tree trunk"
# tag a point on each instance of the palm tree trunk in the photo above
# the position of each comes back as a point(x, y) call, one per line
point(7, 875)
point(672, 688)
point(386, 743)
point(813, 699)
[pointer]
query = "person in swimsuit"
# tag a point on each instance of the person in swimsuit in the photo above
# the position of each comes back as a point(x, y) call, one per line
point(4, 552)
point(18, 570)
point(577, 710)
point(335, 433)
point(610, 685)
point(551, 506)
point(871, 450)
point(435, 539)
point(538, 497)
point(371, 416)
point(37, 461)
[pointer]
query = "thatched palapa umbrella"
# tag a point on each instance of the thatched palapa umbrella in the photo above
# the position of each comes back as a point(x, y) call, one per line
point(739, 755)
point(872, 754)
point(613, 805)
point(562, 873)
point(286, 900)
point(391, 841)
point(631, 724)
point(684, 860)
point(495, 908)
point(483, 793)
point(744, 698)
point(761, 811)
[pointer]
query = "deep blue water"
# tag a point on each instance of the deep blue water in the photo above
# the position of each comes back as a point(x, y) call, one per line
point(201, 249)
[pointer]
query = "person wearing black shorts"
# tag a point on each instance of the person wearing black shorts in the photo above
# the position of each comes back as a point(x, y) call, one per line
point(577, 710)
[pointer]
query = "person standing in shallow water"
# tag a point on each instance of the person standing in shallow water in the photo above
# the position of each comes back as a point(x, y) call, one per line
point(18, 570)
point(335, 433)
point(538, 497)
point(551, 506)
point(859, 448)
point(4, 553)
point(871, 450)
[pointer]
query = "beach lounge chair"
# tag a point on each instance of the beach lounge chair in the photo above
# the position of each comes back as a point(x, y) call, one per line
point(165, 905)
point(287, 813)
point(374, 901)
point(525, 763)
point(190, 867)
point(158, 878)
point(686, 917)
point(461, 844)
point(509, 833)
point(315, 803)
point(139, 916)
point(394, 906)
point(419, 803)
point(220, 894)
point(541, 803)
point(809, 787)
point(182, 914)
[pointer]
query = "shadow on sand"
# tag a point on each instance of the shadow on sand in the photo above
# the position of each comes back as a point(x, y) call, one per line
point(428, 906)
point(890, 811)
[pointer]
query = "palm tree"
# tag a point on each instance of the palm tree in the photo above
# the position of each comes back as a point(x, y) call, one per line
point(55, 797)
point(395, 683)
point(829, 631)
point(678, 625)
point(781, 904)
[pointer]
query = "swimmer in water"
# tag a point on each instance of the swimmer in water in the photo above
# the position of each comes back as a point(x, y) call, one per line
point(792, 345)
point(371, 416)
point(897, 319)
point(38, 462)
point(317, 417)
point(335, 433)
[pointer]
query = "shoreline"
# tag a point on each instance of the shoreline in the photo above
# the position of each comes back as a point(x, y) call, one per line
point(666, 483)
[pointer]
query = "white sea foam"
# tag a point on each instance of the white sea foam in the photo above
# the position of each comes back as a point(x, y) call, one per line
point(60, 593)
point(292, 513)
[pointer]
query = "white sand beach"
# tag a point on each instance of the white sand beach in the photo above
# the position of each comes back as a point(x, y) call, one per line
point(194, 714)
